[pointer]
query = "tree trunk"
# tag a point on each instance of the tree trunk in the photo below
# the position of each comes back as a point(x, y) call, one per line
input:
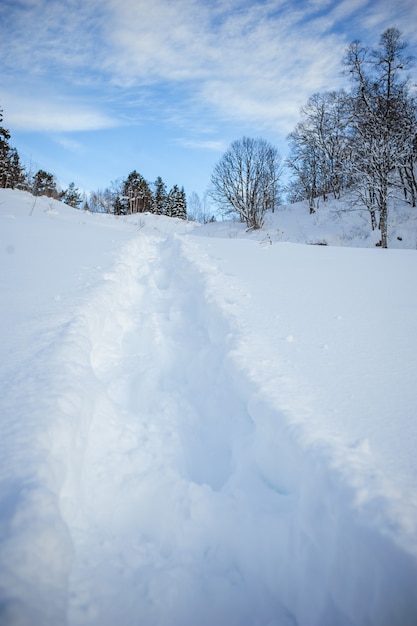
point(383, 223)
point(373, 218)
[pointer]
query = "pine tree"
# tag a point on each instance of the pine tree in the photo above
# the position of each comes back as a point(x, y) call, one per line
point(182, 207)
point(4, 154)
point(72, 196)
point(44, 184)
point(177, 205)
point(173, 201)
point(17, 177)
point(160, 197)
point(118, 208)
point(136, 196)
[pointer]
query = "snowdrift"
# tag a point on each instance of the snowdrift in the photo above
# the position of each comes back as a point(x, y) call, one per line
point(204, 426)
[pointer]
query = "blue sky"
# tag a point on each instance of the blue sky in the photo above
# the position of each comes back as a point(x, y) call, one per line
point(91, 90)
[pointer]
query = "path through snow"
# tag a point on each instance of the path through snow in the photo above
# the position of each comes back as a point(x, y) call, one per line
point(159, 464)
point(187, 499)
point(158, 448)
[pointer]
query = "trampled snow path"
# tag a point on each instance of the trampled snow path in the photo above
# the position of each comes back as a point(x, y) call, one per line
point(155, 452)
point(186, 497)
point(168, 488)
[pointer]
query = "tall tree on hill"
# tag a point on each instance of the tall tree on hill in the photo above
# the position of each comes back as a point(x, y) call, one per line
point(408, 174)
point(17, 177)
point(44, 184)
point(72, 196)
point(194, 208)
point(383, 120)
point(12, 173)
point(4, 153)
point(176, 204)
point(182, 205)
point(319, 147)
point(160, 197)
point(102, 201)
point(136, 196)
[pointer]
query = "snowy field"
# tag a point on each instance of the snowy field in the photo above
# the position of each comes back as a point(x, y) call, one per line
point(206, 427)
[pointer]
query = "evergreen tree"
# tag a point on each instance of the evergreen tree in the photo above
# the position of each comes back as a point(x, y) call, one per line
point(17, 177)
point(177, 206)
point(72, 196)
point(44, 184)
point(136, 196)
point(4, 154)
point(182, 208)
point(118, 208)
point(160, 197)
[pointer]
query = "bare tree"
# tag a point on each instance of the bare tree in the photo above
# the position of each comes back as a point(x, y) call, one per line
point(194, 209)
point(408, 169)
point(246, 180)
point(383, 118)
point(102, 200)
point(319, 146)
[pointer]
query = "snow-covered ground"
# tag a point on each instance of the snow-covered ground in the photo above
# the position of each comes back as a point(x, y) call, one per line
point(206, 427)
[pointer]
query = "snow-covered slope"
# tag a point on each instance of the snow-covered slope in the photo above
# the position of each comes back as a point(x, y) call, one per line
point(202, 426)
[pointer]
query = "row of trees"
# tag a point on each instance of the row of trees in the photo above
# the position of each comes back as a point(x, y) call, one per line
point(364, 140)
point(11, 171)
point(132, 195)
point(136, 195)
point(13, 175)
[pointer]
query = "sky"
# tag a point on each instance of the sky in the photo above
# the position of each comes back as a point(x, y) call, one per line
point(93, 90)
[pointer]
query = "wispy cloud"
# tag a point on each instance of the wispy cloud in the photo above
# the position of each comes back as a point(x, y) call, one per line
point(256, 62)
point(52, 114)
point(215, 146)
point(68, 143)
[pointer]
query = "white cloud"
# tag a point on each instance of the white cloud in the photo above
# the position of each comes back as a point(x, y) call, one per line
point(68, 144)
point(252, 61)
point(215, 146)
point(51, 115)
point(256, 62)
point(159, 41)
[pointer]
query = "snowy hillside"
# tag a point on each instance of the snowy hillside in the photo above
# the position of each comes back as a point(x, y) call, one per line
point(206, 427)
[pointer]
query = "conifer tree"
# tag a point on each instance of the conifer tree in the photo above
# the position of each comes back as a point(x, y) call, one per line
point(177, 205)
point(136, 196)
point(72, 196)
point(182, 207)
point(44, 184)
point(17, 177)
point(4, 154)
point(160, 197)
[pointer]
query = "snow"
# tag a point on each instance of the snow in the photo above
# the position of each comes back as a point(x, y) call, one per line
point(205, 426)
